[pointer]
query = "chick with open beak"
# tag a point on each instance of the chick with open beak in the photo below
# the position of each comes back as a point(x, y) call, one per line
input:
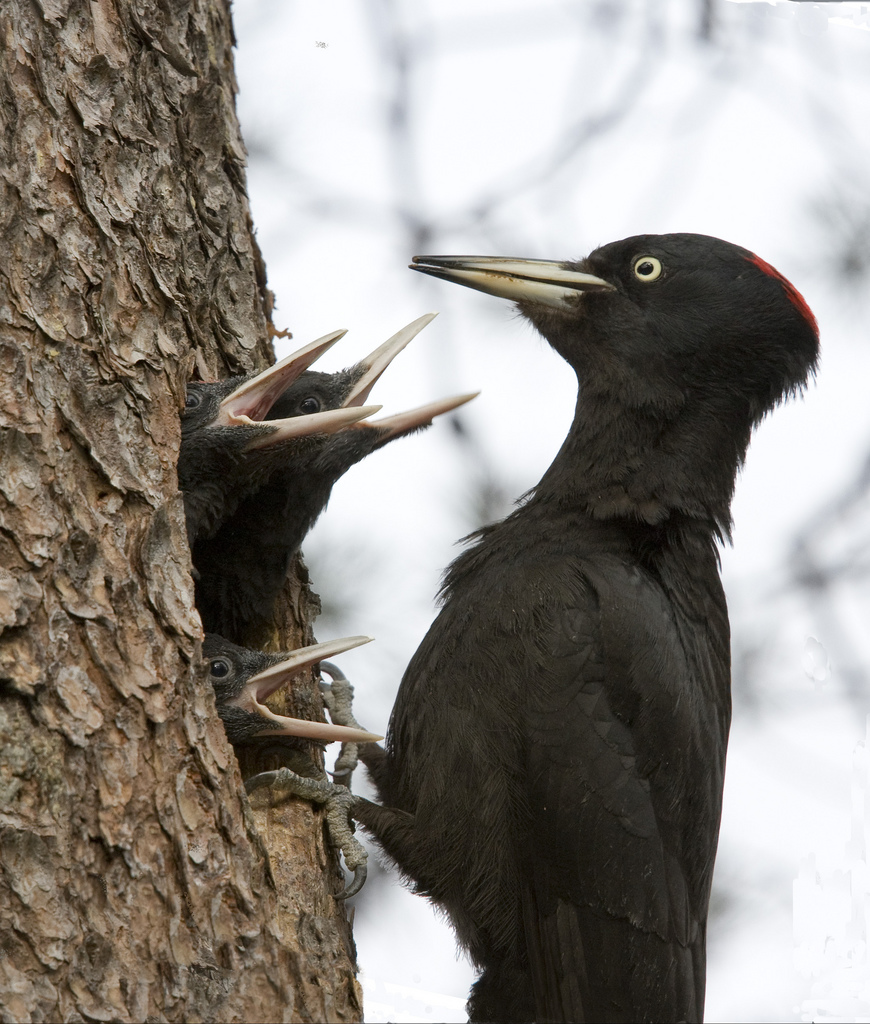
point(242, 568)
point(243, 679)
point(227, 448)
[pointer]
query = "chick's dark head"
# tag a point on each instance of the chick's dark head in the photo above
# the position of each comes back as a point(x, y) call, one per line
point(243, 678)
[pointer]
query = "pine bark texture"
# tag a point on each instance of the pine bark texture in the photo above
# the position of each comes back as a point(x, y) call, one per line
point(134, 884)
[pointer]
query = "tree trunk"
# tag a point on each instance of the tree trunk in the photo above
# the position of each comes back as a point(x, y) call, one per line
point(134, 883)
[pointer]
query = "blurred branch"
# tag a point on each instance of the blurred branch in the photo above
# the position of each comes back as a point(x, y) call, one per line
point(400, 53)
point(821, 565)
point(707, 21)
point(844, 215)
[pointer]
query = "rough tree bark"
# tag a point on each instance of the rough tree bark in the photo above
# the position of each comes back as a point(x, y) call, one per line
point(134, 884)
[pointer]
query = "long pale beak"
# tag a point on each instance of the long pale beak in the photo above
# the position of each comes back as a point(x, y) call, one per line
point(376, 362)
point(419, 417)
point(253, 399)
point(330, 421)
point(265, 683)
point(547, 282)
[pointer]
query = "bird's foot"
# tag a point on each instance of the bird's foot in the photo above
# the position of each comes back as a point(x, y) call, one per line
point(338, 802)
point(338, 698)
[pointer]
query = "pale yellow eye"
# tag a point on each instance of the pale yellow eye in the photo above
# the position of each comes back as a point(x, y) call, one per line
point(647, 268)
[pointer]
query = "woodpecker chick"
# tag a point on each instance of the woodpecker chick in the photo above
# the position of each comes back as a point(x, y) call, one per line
point(228, 451)
point(242, 568)
point(243, 679)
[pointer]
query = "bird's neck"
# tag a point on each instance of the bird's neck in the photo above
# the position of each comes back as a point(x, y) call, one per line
point(649, 465)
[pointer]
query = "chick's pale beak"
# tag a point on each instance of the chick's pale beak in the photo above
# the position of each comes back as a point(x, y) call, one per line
point(253, 399)
point(402, 422)
point(330, 421)
point(547, 282)
point(265, 683)
point(376, 362)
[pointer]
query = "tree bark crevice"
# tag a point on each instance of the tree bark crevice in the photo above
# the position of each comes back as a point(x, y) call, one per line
point(135, 882)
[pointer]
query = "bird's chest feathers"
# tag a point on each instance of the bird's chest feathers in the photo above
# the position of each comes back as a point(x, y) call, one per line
point(565, 616)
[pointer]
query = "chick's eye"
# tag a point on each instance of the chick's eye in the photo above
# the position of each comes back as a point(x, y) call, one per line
point(647, 268)
point(219, 668)
point(310, 406)
point(193, 399)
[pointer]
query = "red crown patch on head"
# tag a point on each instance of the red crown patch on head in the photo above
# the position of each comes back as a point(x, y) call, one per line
point(795, 297)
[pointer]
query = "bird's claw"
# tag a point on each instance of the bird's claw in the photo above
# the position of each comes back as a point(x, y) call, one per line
point(360, 872)
point(345, 764)
point(338, 698)
point(338, 802)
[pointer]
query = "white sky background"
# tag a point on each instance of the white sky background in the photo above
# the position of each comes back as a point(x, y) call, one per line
point(540, 128)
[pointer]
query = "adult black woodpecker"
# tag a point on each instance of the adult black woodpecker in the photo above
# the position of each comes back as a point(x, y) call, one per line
point(243, 678)
point(553, 771)
point(242, 568)
point(228, 451)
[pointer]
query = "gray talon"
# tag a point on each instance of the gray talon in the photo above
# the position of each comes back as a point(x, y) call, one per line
point(338, 698)
point(359, 880)
point(338, 801)
point(345, 764)
point(338, 695)
point(258, 781)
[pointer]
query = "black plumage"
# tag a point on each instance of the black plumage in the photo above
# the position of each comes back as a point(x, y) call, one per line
point(554, 765)
point(228, 451)
point(242, 568)
point(243, 679)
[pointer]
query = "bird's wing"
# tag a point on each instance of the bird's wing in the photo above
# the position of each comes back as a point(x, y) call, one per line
point(557, 747)
point(622, 821)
